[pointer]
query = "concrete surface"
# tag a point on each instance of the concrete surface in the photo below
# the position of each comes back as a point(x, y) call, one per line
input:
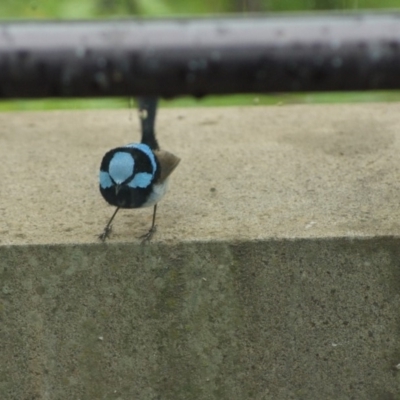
point(274, 273)
point(277, 172)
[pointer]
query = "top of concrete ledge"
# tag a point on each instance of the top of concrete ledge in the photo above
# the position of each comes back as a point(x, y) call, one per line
point(246, 173)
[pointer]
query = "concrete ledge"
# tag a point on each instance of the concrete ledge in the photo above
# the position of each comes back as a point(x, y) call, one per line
point(299, 171)
point(274, 273)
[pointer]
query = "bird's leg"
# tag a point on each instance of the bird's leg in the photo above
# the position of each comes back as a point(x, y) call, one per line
point(107, 230)
point(147, 237)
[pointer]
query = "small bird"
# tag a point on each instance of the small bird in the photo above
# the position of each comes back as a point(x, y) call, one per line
point(136, 175)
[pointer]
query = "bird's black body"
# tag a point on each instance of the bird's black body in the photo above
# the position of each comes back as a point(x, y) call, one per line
point(135, 175)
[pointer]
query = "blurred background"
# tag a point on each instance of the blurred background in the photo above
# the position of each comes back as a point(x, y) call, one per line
point(95, 9)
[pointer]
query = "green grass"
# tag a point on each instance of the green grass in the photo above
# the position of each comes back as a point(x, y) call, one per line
point(76, 9)
point(234, 100)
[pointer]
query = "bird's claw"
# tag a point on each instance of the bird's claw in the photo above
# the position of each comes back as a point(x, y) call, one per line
point(148, 236)
point(106, 233)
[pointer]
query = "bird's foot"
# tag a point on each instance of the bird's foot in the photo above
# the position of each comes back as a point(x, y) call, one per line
point(147, 236)
point(106, 233)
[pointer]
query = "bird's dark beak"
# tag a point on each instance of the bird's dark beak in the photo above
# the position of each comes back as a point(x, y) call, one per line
point(117, 189)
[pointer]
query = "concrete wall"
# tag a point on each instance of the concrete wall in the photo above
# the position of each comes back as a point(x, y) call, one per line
point(274, 273)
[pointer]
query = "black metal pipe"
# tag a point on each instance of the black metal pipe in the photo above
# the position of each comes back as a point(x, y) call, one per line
point(200, 57)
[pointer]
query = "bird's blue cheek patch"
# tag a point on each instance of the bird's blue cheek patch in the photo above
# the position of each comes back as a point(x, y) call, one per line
point(141, 180)
point(105, 180)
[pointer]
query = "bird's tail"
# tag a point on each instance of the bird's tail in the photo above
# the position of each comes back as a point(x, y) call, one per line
point(147, 112)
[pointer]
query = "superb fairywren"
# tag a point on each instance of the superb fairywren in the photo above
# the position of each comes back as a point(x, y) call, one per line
point(136, 175)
